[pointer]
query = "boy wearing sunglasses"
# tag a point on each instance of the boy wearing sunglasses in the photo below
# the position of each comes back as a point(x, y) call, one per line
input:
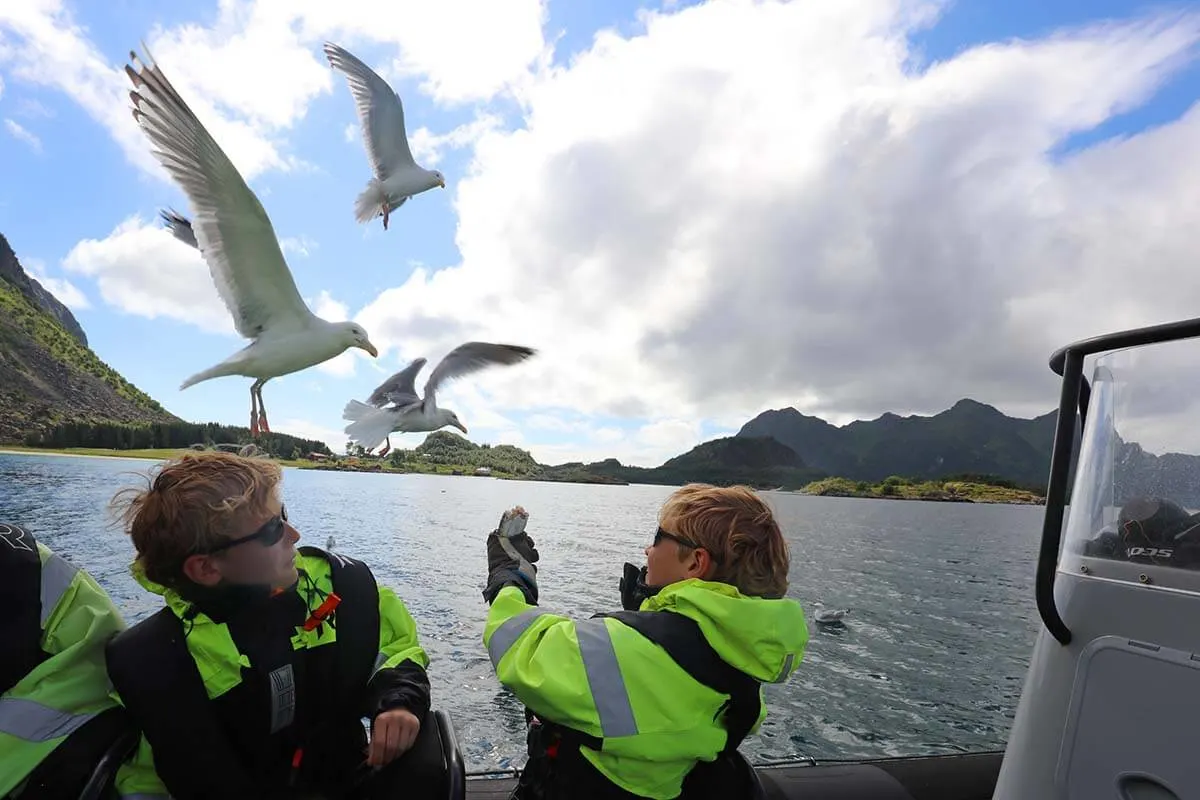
point(254, 680)
point(652, 701)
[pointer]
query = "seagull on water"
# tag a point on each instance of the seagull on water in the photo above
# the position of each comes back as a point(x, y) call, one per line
point(381, 117)
point(234, 235)
point(372, 423)
point(829, 616)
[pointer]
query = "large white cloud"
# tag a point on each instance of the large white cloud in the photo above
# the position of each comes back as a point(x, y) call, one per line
point(251, 74)
point(142, 269)
point(463, 50)
point(48, 47)
point(759, 204)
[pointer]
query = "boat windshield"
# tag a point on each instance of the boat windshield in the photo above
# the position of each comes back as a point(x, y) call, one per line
point(1132, 510)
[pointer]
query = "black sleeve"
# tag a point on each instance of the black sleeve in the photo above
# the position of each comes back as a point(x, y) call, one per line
point(403, 686)
point(20, 592)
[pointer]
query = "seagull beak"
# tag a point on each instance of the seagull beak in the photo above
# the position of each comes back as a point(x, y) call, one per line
point(370, 348)
point(460, 426)
point(442, 183)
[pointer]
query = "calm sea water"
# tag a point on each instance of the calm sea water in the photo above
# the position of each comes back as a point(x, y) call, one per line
point(931, 659)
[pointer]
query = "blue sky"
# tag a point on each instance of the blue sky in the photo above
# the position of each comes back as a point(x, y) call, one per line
point(667, 306)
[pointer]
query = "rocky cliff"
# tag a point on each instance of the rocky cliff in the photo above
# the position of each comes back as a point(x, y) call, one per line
point(34, 292)
point(48, 374)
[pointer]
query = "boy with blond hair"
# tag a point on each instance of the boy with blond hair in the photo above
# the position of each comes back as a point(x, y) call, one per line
point(652, 701)
point(254, 678)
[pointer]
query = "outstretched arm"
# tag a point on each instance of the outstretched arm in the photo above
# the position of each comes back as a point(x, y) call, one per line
point(564, 671)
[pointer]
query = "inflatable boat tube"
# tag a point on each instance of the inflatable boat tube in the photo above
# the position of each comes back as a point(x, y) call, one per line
point(957, 776)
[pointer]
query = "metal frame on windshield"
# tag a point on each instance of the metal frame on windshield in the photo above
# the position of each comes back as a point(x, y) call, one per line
point(1076, 391)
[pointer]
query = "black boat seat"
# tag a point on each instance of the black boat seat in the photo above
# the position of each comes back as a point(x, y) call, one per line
point(452, 757)
point(102, 782)
point(442, 765)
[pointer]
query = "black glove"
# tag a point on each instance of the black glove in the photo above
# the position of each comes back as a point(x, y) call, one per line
point(634, 588)
point(511, 557)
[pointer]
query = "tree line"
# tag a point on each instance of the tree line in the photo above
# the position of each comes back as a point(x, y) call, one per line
point(127, 436)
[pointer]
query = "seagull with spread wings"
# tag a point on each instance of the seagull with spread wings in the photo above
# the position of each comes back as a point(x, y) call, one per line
point(237, 241)
point(381, 117)
point(374, 421)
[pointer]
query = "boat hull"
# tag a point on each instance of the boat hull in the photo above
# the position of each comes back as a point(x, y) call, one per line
point(958, 776)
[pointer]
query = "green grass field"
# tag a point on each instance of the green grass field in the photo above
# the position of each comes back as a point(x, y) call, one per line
point(153, 454)
point(163, 453)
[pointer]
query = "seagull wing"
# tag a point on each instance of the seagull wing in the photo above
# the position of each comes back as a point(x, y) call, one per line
point(380, 113)
point(472, 357)
point(231, 228)
point(399, 389)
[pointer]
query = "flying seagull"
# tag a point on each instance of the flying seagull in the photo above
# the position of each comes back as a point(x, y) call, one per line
point(381, 117)
point(372, 422)
point(236, 239)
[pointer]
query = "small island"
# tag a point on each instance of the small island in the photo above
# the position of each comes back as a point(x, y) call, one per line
point(953, 489)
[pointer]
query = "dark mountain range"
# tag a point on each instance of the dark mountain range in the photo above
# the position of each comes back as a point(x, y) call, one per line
point(969, 437)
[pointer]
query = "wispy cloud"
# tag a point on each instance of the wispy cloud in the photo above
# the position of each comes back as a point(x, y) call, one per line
point(32, 109)
point(142, 269)
point(428, 147)
point(298, 245)
point(22, 135)
point(67, 293)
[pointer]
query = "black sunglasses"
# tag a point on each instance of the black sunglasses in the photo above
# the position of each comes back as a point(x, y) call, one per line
point(269, 534)
point(660, 534)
